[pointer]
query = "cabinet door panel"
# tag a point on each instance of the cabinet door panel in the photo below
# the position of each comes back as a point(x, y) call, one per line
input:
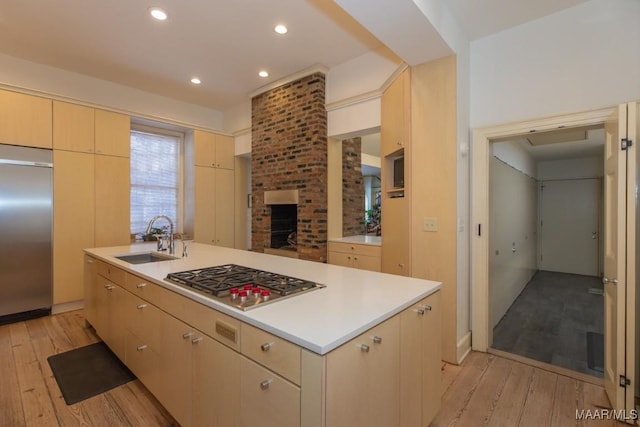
point(25, 120)
point(365, 262)
point(73, 222)
point(224, 201)
point(225, 152)
point(112, 133)
point(341, 258)
point(73, 127)
point(275, 402)
point(204, 148)
point(205, 205)
point(112, 195)
point(394, 127)
point(395, 239)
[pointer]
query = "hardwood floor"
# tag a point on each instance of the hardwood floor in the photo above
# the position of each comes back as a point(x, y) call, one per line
point(29, 394)
point(486, 390)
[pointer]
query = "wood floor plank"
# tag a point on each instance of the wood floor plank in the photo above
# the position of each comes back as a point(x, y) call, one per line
point(595, 399)
point(67, 415)
point(539, 402)
point(37, 406)
point(510, 405)
point(485, 398)
point(462, 388)
point(449, 373)
point(139, 406)
point(11, 413)
point(568, 397)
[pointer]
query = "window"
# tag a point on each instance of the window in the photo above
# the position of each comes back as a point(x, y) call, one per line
point(155, 177)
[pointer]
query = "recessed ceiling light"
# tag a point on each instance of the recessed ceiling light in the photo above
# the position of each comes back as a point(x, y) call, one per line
point(263, 73)
point(195, 81)
point(281, 29)
point(158, 13)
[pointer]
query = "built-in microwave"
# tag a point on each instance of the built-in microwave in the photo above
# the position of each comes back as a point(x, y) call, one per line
point(398, 172)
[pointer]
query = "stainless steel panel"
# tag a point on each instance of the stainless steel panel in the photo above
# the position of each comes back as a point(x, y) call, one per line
point(25, 230)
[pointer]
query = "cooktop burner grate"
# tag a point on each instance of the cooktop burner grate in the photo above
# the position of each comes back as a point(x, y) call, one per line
point(242, 287)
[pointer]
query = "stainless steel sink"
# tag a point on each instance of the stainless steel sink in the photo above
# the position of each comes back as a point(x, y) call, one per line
point(144, 257)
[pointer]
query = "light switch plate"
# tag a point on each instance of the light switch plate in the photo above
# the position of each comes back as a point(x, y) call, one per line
point(429, 224)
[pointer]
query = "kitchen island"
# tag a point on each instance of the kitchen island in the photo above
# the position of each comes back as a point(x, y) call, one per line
point(363, 350)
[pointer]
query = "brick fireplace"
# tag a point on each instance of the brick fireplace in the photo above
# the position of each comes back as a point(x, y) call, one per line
point(289, 152)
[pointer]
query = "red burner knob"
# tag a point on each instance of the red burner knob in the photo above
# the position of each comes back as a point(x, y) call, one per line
point(243, 296)
point(248, 287)
point(265, 295)
point(255, 292)
point(233, 292)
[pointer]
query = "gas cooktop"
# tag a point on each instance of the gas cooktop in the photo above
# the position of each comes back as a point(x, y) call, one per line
point(242, 287)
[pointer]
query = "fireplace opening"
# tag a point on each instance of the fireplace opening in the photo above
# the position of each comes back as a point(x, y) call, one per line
point(284, 225)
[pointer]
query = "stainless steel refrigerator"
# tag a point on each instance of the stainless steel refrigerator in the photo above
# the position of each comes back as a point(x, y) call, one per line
point(26, 212)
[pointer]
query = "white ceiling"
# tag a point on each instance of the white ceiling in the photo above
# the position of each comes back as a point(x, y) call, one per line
point(224, 43)
point(592, 146)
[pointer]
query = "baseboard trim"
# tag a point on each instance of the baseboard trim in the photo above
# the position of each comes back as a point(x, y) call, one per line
point(464, 347)
point(67, 306)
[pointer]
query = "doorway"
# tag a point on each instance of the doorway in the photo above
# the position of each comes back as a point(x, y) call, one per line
point(545, 295)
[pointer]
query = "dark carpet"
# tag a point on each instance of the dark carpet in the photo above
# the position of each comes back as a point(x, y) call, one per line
point(88, 371)
point(550, 319)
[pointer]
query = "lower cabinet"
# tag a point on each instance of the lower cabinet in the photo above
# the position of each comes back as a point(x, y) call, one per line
point(364, 257)
point(387, 376)
point(363, 379)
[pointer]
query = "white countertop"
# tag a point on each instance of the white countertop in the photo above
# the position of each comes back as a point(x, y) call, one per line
point(352, 302)
point(360, 240)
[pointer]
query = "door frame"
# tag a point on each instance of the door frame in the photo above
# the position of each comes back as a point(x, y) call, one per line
point(482, 334)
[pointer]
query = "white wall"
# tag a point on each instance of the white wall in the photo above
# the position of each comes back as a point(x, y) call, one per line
point(57, 83)
point(514, 214)
point(578, 59)
point(584, 167)
point(513, 154)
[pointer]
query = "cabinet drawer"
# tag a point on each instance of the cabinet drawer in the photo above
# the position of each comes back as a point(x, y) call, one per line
point(142, 319)
point(275, 353)
point(144, 289)
point(274, 401)
point(368, 250)
point(340, 258)
point(112, 273)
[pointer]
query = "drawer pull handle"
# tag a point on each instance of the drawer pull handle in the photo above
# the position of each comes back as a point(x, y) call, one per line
point(419, 311)
point(264, 385)
point(141, 347)
point(141, 285)
point(187, 335)
point(377, 339)
point(425, 307)
point(89, 261)
point(196, 340)
point(141, 306)
point(108, 287)
point(364, 348)
point(266, 346)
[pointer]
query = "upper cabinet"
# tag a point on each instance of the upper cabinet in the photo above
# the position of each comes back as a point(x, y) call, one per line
point(25, 120)
point(112, 133)
point(213, 150)
point(395, 129)
point(73, 127)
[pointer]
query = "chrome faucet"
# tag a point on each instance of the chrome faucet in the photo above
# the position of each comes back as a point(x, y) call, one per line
point(171, 243)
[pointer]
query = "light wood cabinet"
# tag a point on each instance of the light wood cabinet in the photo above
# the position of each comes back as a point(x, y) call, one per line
point(214, 206)
point(73, 127)
point(214, 151)
point(274, 401)
point(25, 120)
point(110, 319)
point(73, 221)
point(396, 241)
point(112, 200)
point(364, 257)
point(395, 115)
point(420, 355)
point(273, 352)
point(112, 133)
point(363, 379)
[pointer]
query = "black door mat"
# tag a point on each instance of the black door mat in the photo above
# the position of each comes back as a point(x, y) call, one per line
point(88, 371)
point(595, 351)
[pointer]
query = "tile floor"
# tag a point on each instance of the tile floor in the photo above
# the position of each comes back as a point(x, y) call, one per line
point(550, 319)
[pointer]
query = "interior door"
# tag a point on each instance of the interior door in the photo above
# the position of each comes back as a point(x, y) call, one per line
point(633, 245)
point(615, 256)
point(569, 226)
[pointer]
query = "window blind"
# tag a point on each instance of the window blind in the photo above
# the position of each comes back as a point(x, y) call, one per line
point(155, 179)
